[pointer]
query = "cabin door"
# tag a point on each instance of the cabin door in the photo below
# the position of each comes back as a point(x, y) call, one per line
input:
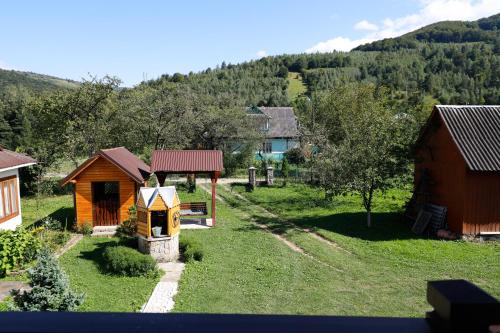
point(106, 203)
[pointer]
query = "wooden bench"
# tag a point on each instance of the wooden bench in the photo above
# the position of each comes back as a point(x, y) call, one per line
point(194, 209)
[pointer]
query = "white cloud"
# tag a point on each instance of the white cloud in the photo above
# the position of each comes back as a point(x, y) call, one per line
point(365, 25)
point(430, 11)
point(261, 53)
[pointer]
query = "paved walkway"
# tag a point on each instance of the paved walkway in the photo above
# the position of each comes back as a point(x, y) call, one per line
point(162, 298)
point(195, 223)
point(7, 286)
point(72, 242)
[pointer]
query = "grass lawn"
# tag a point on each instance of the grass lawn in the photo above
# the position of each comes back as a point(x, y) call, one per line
point(381, 271)
point(59, 207)
point(295, 85)
point(103, 292)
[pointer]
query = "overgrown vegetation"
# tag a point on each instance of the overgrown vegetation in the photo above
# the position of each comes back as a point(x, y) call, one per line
point(17, 248)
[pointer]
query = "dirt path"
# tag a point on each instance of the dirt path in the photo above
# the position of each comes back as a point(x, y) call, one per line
point(293, 246)
point(314, 234)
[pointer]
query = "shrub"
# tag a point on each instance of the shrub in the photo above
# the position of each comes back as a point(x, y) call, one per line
point(191, 250)
point(122, 260)
point(128, 228)
point(50, 288)
point(85, 228)
point(17, 248)
point(50, 223)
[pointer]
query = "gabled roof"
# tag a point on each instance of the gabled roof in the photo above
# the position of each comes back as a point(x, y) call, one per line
point(167, 193)
point(130, 164)
point(282, 122)
point(10, 159)
point(180, 161)
point(475, 129)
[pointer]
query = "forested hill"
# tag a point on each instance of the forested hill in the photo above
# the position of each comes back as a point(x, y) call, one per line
point(453, 62)
point(31, 81)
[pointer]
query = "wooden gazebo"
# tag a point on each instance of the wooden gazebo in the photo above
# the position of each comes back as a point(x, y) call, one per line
point(164, 162)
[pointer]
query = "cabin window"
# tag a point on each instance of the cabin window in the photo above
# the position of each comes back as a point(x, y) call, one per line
point(9, 205)
point(267, 147)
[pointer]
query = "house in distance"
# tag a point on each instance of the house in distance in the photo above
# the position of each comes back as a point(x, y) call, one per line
point(10, 203)
point(279, 126)
point(459, 154)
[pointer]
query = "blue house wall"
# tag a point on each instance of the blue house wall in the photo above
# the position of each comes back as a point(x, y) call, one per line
point(278, 148)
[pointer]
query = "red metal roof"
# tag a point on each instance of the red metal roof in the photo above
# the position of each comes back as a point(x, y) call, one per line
point(122, 158)
point(10, 159)
point(186, 161)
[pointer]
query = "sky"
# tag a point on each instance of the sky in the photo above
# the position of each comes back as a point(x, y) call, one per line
point(137, 40)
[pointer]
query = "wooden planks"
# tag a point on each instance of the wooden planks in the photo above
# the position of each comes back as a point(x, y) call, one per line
point(100, 171)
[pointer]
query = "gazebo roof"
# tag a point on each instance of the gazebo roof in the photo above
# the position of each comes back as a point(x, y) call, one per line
point(167, 193)
point(180, 161)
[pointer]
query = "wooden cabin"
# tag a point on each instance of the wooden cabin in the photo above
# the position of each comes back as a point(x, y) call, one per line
point(158, 207)
point(106, 186)
point(458, 159)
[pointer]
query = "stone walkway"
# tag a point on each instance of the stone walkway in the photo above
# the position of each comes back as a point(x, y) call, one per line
point(7, 286)
point(72, 242)
point(200, 223)
point(162, 298)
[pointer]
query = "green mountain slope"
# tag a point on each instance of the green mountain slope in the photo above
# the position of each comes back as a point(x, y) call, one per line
point(32, 81)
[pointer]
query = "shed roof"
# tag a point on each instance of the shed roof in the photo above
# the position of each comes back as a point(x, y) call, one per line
point(166, 193)
point(121, 158)
point(10, 159)
point(186, 161)
point(282, 122)
point(475, 129)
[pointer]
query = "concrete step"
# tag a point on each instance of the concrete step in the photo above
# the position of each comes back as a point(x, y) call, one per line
point(104, 231)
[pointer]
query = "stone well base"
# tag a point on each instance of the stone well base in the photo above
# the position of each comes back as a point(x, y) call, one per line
point(162, 249)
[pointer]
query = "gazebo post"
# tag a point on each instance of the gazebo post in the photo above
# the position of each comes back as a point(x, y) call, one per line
point(213, 177)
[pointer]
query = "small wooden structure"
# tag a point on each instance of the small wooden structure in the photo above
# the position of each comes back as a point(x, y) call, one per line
point(164, 162)
point(457, 165)
point(106, 185)
point(159, 208)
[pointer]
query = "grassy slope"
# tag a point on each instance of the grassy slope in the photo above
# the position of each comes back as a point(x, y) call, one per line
point(295, 85)
point(387, 258)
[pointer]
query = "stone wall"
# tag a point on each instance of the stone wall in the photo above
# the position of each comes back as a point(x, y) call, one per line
point(164, 249)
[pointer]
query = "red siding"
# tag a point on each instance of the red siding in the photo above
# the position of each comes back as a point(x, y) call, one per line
point(439, 154)
point(482, 202)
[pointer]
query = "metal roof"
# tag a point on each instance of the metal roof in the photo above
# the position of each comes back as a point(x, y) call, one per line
point(9, 159)
point(121, 158)
point(475, 129)
point(282, 122)
point(186, 161)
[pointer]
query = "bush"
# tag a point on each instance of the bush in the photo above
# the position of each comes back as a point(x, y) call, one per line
point(295, 156)
point(191, 250)
point(128, 228)
point(85, 229)
point(122, 260)
point(50, 288)
point(17, 248)
point(50, 223)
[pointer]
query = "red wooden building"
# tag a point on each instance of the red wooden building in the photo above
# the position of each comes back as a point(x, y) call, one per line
point(459, 152)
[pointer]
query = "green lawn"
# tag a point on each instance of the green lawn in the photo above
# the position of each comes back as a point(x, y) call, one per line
point(36, 208)
point(381, 271)
point(295, 85)
point(103, 292)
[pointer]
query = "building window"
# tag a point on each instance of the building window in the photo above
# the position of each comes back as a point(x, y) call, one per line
point(9, 205)
point(267, 147)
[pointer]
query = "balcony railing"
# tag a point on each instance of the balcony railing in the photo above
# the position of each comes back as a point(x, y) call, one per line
point(459, 306)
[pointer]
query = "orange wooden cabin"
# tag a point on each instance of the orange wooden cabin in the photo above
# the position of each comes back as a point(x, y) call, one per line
point(459, 151)
point(106, 186)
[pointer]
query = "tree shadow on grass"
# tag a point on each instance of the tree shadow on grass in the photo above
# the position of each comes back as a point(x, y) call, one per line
point(385, 226)
point(65, 216)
